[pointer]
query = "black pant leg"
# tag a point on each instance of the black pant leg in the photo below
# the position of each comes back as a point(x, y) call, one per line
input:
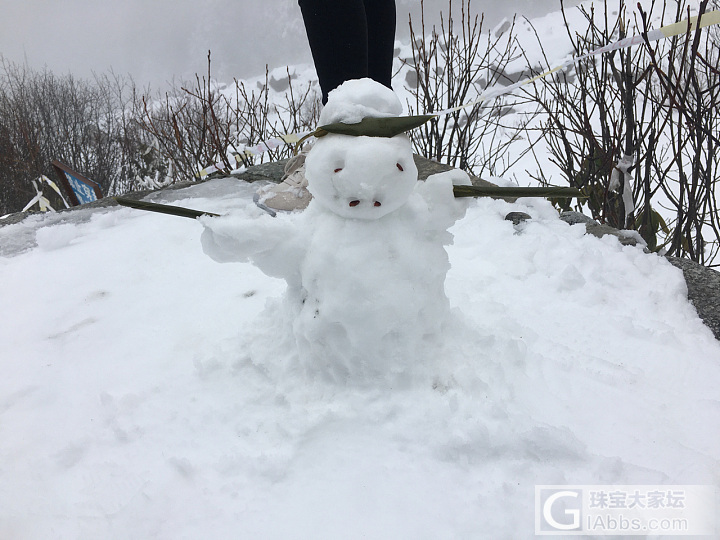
point(338, 35)
point(381, 21)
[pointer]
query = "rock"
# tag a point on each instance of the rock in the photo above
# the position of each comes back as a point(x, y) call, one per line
point(574, 218)
point(17, 217)
point(280, 82)
point(507, 79)
point(499, 112)
point(703, 291)
point(703, 283)
point(502, 28)
point(517, 217)
point(626, 238)
point(481, 82)
point(427, 167)
point(11, 219)
point(272, 171)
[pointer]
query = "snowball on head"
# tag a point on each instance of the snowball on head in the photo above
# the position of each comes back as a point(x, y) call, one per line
point(359, 98)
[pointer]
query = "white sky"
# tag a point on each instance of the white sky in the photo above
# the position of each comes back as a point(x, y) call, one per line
point(155, 39)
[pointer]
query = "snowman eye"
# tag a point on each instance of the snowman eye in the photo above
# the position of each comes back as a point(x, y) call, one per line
point(338, 170)
point(378, 203)
point(354, 203)
point(399, 166)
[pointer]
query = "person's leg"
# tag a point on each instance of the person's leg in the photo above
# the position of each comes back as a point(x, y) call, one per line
point(338, 35)
point(381, 21)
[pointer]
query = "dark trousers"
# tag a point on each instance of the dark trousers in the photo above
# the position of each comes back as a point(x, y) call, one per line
point(350, 39)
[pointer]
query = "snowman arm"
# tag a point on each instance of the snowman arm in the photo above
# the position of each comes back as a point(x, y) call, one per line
point(268, 243)
point(443, 208)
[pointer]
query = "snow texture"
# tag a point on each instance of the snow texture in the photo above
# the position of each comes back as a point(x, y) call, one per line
point(145, 389)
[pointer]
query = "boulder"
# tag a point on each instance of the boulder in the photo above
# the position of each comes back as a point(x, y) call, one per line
point(703, 291)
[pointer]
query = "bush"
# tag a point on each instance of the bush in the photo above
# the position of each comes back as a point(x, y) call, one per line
point(85, 124)
point(452, 68)
point(203, 123)
point(125, 140)
point(637, 131)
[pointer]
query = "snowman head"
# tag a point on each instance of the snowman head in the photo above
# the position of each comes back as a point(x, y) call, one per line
point(361, 177)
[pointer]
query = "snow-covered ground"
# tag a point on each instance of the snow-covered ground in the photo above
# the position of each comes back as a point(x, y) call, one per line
point(146, 393)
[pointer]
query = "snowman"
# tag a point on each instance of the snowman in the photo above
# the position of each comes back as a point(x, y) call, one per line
point(365, 262)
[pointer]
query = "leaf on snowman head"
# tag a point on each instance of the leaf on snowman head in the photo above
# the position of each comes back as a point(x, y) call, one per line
point(375, 127)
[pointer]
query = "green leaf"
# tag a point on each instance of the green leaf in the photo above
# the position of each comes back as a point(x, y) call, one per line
point(515, 192)
point(162, 208)
point(375, 127)
point(663, 225)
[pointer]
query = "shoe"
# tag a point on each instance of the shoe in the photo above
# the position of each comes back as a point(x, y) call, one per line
point(291, 193)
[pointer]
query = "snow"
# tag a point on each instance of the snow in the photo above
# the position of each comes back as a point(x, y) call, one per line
point(149, 392)
point(145, 390)
point(355, 100)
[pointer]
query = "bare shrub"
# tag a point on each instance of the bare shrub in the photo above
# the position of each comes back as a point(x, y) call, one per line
point(453, 65)
point(206, 123)
point(122, 139)
point(636, 131)
point(687, 93)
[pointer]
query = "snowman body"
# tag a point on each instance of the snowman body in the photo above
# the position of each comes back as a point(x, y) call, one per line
point(365, 263)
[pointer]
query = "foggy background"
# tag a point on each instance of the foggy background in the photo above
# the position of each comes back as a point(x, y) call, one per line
point(154, 40)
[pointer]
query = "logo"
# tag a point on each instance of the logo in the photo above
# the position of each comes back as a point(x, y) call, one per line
point(686, 510)
point(559, 509)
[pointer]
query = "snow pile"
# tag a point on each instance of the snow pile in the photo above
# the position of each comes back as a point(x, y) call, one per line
point(365, 264)
point(144, 389)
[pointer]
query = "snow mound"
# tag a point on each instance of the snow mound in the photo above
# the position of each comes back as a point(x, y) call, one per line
point(145, 389)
